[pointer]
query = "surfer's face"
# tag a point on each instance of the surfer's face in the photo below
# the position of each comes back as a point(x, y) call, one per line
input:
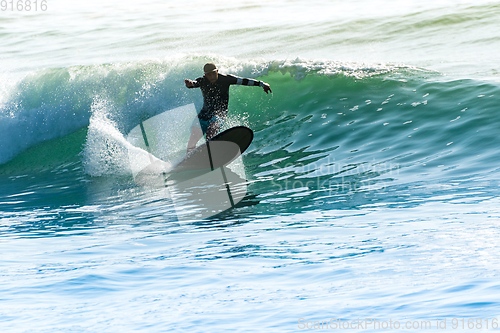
point(212, 76)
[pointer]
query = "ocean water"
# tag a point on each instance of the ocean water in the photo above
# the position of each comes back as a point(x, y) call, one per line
point(373, 178)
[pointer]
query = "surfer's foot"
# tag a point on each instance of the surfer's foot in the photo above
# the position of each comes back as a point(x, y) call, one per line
point(190, 149)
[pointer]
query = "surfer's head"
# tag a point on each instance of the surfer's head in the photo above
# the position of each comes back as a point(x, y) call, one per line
point(211, 72)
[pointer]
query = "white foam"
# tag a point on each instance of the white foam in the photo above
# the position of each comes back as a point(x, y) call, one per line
point(106, 150)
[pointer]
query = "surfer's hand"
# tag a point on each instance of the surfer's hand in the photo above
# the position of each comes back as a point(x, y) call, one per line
point(189, 83)
point(267, 88)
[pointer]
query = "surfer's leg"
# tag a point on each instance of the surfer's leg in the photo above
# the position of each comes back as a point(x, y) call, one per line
point(209, 128)
point(196, 134)
point(214, 127)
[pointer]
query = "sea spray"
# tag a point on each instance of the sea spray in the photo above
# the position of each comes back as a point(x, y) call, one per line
point(106, 149)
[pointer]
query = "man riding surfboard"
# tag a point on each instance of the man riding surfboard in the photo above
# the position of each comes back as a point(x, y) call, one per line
point(215, 90)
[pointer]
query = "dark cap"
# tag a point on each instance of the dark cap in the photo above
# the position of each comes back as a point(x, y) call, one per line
point(210, 67)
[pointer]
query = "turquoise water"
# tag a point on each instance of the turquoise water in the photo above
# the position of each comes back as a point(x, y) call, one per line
point(372, 178)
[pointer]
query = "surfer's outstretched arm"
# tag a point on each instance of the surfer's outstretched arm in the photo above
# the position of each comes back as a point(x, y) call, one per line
point(250, 82)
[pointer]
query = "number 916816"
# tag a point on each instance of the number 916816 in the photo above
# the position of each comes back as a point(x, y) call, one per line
point(474, 323)
point(23, 5)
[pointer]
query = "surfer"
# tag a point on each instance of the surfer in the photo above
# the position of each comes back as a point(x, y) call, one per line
point(215, 90)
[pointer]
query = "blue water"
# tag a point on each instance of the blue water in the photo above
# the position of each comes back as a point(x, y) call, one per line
point(373, 177)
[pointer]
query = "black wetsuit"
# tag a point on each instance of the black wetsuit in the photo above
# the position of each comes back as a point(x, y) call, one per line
point(216, 95)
